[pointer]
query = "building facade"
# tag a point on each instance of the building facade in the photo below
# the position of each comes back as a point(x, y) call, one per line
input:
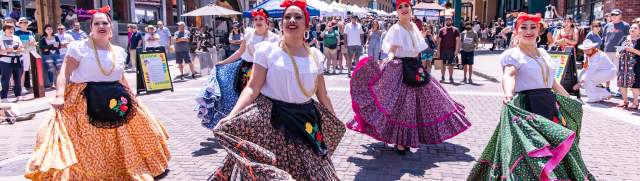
point(587, 10)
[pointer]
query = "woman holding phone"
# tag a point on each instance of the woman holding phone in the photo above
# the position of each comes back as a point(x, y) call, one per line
point(11, 63)
point(50, 49)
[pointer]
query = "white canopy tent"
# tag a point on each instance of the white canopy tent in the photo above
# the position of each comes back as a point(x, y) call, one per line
point(355, 10)
point(325, 9)
point(341, 9)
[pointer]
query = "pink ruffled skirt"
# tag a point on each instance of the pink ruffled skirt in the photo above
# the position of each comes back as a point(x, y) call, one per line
point(390, 111)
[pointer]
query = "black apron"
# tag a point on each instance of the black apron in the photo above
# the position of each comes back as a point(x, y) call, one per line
point(299, 122)
point(541, 102)
point(108, 104)
point(413, 73)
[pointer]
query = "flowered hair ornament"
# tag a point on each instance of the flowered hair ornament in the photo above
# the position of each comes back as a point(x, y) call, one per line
point(302, 4)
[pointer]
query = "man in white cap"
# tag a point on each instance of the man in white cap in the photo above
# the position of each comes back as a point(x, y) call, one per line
point(614, 34)
point(597, 71)
point(29, 41)
point(183, 39)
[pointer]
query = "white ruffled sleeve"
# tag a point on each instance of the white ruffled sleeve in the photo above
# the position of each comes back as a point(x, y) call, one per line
point(320, 59)
point(391, 38)
point(261, 55)
point(507, 58)
point(75, 49)
point(421, 44)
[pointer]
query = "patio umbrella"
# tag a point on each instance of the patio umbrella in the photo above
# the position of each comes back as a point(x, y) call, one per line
point(211, 10)
point(273, 8)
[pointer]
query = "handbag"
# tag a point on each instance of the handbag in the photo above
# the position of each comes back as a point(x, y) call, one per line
point(413, 73)
point(108, 104)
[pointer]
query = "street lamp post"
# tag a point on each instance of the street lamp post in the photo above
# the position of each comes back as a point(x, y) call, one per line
point(457, 5)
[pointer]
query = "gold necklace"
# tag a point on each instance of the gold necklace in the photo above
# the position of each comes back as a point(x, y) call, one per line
point(95, 52)
point(296, 71)
point(544, 69)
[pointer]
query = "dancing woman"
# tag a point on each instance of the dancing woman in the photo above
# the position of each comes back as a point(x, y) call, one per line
point(537, 137)
point(97, 129)
point(223, 88)
point(398, 103)
point(276, 131)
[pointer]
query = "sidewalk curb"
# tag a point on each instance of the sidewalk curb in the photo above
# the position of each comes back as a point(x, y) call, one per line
point(485, 76)
point(35, 107)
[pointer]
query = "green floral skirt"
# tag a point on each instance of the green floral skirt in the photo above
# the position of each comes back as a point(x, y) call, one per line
point(527, 146)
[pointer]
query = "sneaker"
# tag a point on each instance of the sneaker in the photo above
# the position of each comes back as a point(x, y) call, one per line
point(617, 94)
point(451, 80)
point(4, 100)
point(470, 81)
point(464, 81)
point(193, 76)
point(21, 98)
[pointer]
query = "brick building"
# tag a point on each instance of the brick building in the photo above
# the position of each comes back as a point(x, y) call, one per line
point(588, 10)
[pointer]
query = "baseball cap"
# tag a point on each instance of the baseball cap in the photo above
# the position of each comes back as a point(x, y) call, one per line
point(616, 12)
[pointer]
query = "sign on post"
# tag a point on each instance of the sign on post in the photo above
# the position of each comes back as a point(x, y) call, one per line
point(155, 71)
point(566, 72)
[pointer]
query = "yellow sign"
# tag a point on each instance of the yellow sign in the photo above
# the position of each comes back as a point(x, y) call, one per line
point(155, 71)
point(561, 59)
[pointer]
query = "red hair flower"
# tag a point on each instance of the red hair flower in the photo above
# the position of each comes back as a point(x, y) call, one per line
point(522, 17)
point(398, 2)
point(104, 9)
point(259, 12)
point(302, 4)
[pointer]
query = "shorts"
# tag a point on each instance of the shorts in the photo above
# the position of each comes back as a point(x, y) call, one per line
point(183, 57)
point(467, 57)
point(448, 58)
point(354, 51)
point(330, 52)
point(426, 56)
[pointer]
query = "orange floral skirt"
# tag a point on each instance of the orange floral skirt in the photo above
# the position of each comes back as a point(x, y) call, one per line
point(68, 147)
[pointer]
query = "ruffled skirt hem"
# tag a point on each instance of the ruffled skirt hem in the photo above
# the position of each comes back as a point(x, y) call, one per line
point(390, 111)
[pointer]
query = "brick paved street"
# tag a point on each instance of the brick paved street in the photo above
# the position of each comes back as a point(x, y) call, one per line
point(608, 142)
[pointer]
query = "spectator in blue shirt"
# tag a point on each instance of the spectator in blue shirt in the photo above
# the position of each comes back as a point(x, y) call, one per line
point(135, 45)
point(29, 42)
point(77, 33)
point(594, 33)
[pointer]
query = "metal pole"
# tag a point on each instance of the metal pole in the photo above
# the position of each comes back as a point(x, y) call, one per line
point(457, 16)
point(163, 12)
point(180, 6)
point(23, 9)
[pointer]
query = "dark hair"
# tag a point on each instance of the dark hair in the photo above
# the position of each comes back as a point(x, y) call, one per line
point(265, 12)
point(6, 26)
point(44, 30)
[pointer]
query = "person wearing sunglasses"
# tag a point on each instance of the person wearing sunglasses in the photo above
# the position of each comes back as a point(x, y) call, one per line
point(29, 42)
point(77, 32)
point(614, 33)
point(182, 49)
point(65, 39)
point(594, 33)
point(415, 109)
